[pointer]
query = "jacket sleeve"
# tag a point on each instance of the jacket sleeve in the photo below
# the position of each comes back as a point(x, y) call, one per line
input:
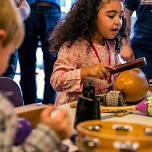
point(43, 138)
point(66, 75)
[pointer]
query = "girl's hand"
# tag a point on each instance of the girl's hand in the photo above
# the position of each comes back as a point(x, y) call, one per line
point(60, 121)
point(98, 70)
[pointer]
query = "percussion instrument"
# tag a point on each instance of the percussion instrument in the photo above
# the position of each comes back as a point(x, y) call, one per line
point(133, 84)
point(88, 107)
point(117, 114)
point(113, 98)
point(110, 98)
point(129, 65)
point(113, 136)
point(145, 106)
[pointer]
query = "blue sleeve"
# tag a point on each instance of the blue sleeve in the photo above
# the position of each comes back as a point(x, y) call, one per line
point(57, 2)
point(132, 4)
point(31, 1)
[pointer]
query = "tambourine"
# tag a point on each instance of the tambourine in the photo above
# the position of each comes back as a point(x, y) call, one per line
point(113, 136)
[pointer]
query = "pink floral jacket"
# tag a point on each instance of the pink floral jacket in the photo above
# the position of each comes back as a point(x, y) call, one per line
point(66, 77)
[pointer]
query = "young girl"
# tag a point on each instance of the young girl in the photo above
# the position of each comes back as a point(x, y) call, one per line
point(88, 41)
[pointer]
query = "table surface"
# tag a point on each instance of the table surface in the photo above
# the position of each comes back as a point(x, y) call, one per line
point(135, 117)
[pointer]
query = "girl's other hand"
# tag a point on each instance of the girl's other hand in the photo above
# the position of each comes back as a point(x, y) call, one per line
point(127, 53)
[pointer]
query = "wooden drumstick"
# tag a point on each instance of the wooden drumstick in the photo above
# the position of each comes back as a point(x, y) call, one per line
point(116, 109)
point(130, 65)
point(119, 114)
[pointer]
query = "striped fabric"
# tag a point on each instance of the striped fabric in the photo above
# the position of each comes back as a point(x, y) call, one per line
point(42, 139)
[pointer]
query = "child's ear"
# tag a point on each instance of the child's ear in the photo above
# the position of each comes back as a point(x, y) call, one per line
point(2, 35)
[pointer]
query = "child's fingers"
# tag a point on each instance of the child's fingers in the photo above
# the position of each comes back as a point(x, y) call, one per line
point(63, 119)
point(48, 110)
point(106, 72)
point(112, 67)
point(109, 68)
point(101, 75)
point(67, 127)
point(62, 114)
point(59, 116)
point(66, 123)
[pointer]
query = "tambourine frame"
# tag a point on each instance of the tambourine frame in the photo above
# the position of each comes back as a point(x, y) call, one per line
point(108, 137)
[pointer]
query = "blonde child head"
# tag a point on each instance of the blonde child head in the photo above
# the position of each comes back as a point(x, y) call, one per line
point(10, 23)
point(11, 32)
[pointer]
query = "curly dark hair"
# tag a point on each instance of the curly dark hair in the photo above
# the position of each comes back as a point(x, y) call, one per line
point(80, 22)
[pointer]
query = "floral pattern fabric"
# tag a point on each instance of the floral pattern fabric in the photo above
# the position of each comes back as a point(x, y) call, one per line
point(66, 76)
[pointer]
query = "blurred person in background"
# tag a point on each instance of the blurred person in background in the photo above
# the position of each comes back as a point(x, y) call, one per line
point(23, 9)
point(44, 16)
point(141, 43)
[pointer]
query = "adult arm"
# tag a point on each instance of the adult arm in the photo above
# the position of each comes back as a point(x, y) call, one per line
point(23, 9)
point(126, 50)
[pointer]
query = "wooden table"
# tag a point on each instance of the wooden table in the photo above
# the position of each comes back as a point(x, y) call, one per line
point(30, 112)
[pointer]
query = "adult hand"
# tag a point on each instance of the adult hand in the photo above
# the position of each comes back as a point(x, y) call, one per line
point(127, 53)
point(23, 9)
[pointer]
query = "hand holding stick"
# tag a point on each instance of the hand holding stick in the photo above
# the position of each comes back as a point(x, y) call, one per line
point(130, 65)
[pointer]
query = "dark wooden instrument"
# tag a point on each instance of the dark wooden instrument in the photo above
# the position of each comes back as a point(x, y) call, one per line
point(130, 65)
